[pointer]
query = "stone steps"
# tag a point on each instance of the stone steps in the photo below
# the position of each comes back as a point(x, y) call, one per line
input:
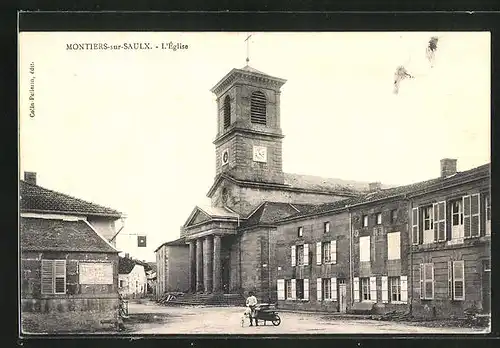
point(208, 300)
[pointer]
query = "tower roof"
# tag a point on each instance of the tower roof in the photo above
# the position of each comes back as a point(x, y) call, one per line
point(248, 74)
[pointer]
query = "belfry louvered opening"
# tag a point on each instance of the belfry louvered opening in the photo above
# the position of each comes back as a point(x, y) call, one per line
point(227, 111)
point(258, 108)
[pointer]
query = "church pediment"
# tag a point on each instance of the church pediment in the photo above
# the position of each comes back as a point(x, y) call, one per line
point(201, 215)
point(196, 217)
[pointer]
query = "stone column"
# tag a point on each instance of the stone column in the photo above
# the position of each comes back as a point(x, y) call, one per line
point(192, 265)
point(207, 263)
point(217, 269)
point(199, 264)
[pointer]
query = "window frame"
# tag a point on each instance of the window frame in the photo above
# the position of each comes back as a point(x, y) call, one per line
point(364, 287)
point(426, 280)
point(394, 216)
point(394, 234)
point(326, 252)
point(226, 107)
point(300, 231)
point(258, 100)
point(461, 264)
point(299, 255)
point(391, 281)
point(299, 285)
point(378, 218)
point(487, 215)
point(326, 227)
point(326, 283)
point(457, 230)
point(364, 220)
point(288, 289)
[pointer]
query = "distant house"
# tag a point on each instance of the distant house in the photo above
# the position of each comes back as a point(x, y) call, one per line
point(132, 278)
point(172, 267)
point(151, 278)
point(67, 263)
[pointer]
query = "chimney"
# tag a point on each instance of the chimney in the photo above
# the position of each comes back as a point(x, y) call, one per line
point(374, 186)
point(30, 177)
point(448, 167)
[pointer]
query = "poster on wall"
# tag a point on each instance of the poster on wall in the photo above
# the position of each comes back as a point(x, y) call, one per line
point(96, 273)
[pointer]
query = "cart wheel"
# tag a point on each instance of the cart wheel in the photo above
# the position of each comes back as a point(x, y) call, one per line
point(277, 320)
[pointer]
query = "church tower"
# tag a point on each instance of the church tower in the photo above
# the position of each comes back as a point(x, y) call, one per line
point(248, 144)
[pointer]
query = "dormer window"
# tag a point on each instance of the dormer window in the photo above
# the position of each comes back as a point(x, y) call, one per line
point(258, 112)
point(227, 112)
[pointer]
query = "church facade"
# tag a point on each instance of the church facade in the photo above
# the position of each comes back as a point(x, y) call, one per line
point(303, 241)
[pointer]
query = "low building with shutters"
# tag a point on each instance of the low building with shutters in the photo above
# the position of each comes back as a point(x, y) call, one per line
point(132, 278)
point(67, 265)
point(450, 251)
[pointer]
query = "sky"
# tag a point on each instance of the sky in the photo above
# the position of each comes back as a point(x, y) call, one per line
point(133, 130)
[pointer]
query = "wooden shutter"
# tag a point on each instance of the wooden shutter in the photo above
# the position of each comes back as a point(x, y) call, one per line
point(333, 251)
point(385, 291)
point(293, 255)
point(306, 289)
point(47, 277)
point(422, 281)
point(475, 215)
point(319, 294)
point(60, 276)
point(450, 280)
point(356, 288)
point(414, 224)
point(333, 288)
point(404, 289)
point(466, 206)
point(432, 265)
point(294, 289)
point(306, 254)
point(435, 219)
point(318, 253)
point(373, 288)
point(281, 289)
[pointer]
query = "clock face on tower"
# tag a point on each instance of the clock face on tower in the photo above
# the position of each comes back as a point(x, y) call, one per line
point(260, 154)
point(225, 157)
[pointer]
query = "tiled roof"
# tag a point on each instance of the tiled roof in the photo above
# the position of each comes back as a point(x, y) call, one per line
point(270, 212)
point(178, 242)
point(125, 265)
point(217, 211)
point(317, 183)
point(35, 198)
point(416, 188)
point(59, 235)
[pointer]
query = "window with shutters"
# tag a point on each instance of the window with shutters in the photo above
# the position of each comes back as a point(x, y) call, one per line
point(428, 224)
point(326, 252)
point(365, 220)
point(300, 255)
point(327, 227)
point(300, 231)
point(365, 289)
point(457, 280)
point(457, 219)
point(395, 288)
point(288, 289)
point(378, 218)
point(427, 281)
point(258, 108)
point(364, 249)
point(300, 289)
point(227, 112)
point(487, 210)
point(415, 238)
point(393, 246)
point(53, 276)
point(326, 286)
point(440, 221)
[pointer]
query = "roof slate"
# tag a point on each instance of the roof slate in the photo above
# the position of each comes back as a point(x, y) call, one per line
point(59, 235)
point(125, 265)
point(35, 198)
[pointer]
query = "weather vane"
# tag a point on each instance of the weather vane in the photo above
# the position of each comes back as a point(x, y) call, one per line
point(248, 47)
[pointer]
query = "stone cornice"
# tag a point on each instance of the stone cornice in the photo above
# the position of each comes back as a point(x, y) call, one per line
point(240, 130)
point(246, 76)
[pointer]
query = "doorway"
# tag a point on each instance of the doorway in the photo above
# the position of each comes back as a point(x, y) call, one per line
point(226, 273)
point(486, 286)
point(342, 296)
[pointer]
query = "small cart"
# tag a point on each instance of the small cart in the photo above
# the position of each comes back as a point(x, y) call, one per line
point(267, 312)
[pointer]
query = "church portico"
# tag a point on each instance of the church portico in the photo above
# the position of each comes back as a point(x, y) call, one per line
point(204, 232)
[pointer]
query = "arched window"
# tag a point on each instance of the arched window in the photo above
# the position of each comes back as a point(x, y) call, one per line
point(227, 111)
point(258, 108)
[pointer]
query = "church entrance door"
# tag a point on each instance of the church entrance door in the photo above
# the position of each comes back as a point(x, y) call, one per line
point(225, 275)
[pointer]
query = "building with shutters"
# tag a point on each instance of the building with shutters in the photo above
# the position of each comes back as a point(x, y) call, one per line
point(132, 278)
point(172, 267)
point(67, 265)
point(307, 242)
